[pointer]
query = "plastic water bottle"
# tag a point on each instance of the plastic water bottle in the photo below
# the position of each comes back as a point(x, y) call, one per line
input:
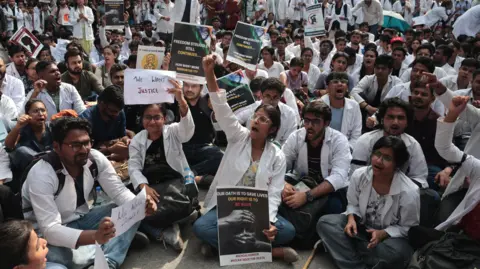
point(100, 197)
point(190, 185)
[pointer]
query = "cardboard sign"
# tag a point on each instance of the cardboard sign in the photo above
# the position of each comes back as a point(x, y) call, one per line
point(239, 94)
point(246, 44)
point(149, 57)
point(27, 40)
point(126, 215)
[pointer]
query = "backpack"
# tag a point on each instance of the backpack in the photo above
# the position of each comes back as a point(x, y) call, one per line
point(53, 159)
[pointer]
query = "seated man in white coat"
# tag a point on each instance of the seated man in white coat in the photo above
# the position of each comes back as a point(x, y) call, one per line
point(320, 157)
point(346, 114)
point(394, 115)
point(425, 50)
point(272, 91)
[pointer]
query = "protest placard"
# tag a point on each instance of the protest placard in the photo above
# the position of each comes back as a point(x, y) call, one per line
point(190, 44)
point(150, 57)
point(126, 215)
point(114, 14)
point(239, 94)
point(246, 44)
point(144, 87)
point(315, 23)
point(100, 261)
point(26, 39)
point(242, 214)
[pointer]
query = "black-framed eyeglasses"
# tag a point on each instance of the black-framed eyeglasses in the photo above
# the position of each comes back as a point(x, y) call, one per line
point(77, 146)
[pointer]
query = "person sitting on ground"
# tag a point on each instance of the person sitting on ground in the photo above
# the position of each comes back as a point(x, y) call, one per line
point(21, 247)
point(108, 124)
point(383, 203)
point(272, 91)
point(320, 157)
point(250, 160)
point(157, 164)
point(30, 136)
point(61, 211)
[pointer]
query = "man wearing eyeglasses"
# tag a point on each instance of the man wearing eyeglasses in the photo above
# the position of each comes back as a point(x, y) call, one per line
point(320, 157)
point(108, 122)
point(64, 214)
point(272, 90)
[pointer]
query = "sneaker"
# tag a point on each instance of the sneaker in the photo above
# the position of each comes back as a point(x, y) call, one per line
point(140, 241)
point(171, 236)
point(207, 250)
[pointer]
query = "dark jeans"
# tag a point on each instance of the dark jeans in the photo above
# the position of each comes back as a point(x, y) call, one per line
point(373, 29)
point(204, 159)
point(9, 205)
point(448, 205)
point(419, 236)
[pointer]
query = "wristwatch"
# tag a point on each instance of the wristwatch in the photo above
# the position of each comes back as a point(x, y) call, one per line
point(309, 196)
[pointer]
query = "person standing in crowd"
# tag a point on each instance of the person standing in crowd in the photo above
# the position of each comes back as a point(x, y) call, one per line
point(14, 16)
point(164, 13)
point(81, 17)
point(372, 13)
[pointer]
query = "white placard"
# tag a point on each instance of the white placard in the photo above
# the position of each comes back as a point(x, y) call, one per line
point(315, 23)
point(150, 57)
point(126, 215)
point(100, 260)
point(144, 87)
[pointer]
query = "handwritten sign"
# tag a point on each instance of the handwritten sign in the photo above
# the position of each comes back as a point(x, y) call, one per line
point(100, 261)
point(126, 215)
point(144, 87)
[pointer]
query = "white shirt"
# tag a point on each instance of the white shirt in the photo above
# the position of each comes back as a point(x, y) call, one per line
point(449, 70)
point(451, 83)
point(274, 71)
point(335, 156)
point(8, 110)
point(439, 72)
point(435, 15)
point(69, 99)
point(5, 172)
point(260, 73)
point(163, 9)
point(313, 74)
point(14, 88)
point(79, 26)
point(372, 14)
point(403, 92)
point(368, 85)
point(51, 213)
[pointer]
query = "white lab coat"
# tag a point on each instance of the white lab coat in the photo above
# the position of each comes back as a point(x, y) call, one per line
point(469, 23)
point(287, 116)
point(351, 121)
point(163, 9)
point(451, 83)
point(439, 72)
point(416, 165)
point(236, 160)
point(368, 85)
point(180, 8)
point(18, 14)
point(343, 20)
point(469, 168)
point(5, 171)
point(386, 4)
point(437, 14)
point(14, 88)
point(402, 206)
point(173, 136)
point(78, 26)
point(335, 156)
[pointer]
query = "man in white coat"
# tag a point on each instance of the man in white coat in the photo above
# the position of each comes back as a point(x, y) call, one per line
point(346, 114)
point(187, 11)
point(322, 154)
point(272, 91)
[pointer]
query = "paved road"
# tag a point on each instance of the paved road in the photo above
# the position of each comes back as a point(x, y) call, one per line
point(156, 257)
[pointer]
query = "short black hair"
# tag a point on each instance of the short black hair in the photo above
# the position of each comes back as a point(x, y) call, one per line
point(30, 61)
point(268, 49)
point(470, 62)
point(72, 52)
point(134, 45)
point(116, 68)
point(427, 62)
point(390, 103)
point(256, 84)
point(230, 33)
point(447, 51)
point(385, 60)
point(340, 39)
point(145, 22)
point(318, 108)
point(61, 127)
point(305, 50)
point(385, 38)
point(273, 84)
point(351, 52)
point(399, 149)
point(330, 43)
point(296, 61)
point(42, 65)
point(335, 75)
point(428, 47)
point(14, 239)
point(370, 46)
point(404, 51)
point(30, 103)
point(363, 24)
point(112, 95)
point(162, 107)
point(281, 39)
point(14, 49)
point(476, 73)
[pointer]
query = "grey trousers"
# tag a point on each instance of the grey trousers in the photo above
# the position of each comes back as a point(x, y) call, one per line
point(352, 253)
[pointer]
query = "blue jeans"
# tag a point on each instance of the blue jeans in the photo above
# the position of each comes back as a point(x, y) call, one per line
point(433, 170)
point(204, 159)
point(205, 229)
point(115, 250)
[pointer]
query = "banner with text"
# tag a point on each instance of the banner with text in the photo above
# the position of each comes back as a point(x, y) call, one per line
point(239, 94)
point(144, 87)
point(114, 14)
point(150, 57)
point(315, 22)
point(242, 214)
point(190, 44)
point(246, 44)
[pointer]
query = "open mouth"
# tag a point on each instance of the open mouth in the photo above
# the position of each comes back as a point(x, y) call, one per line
point(254, 129)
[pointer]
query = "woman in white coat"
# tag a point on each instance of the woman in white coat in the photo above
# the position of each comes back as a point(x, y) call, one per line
point(251, 160)
point(383, 203)
point(81, 17)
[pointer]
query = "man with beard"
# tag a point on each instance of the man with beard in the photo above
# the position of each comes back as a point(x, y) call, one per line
point(55, 94)
point(204, 157)
point(423, 129)
point(11, 88)
point(61, 210)
point(321, 154)
point(440, 59)
point(425, 50)
point(86, 83)
point(17, 68)
point(109, 124)
point(346, 114)
point(395, 116)
point(272, 91)
point(355, 38)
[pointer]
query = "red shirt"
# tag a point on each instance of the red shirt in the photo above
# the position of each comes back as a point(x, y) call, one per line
point(470, 223)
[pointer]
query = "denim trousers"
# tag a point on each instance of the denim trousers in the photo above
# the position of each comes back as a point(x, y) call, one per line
point(352, 253)
point(205, 229)
point(204, 159)
point(115, 250)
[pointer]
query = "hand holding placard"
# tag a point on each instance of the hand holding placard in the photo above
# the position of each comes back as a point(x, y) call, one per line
point(126, 215)
point(144, 87)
